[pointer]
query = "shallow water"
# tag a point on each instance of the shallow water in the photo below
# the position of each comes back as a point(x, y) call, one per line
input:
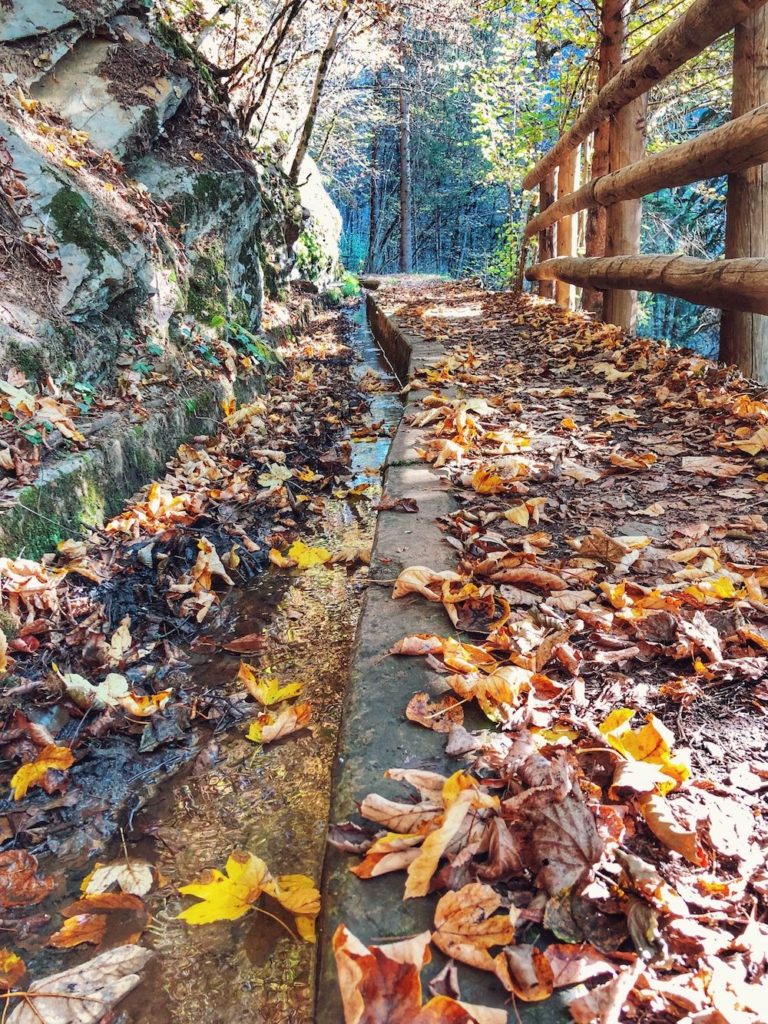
point(271, 801)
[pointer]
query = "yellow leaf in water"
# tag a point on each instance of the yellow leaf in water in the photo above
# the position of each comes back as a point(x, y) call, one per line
point(277, 558)
point(226, 897)
point(33, 774)
point(305, 557)
point(298, 895)
point(268, 727)
point(266, 691)
point(12, 969)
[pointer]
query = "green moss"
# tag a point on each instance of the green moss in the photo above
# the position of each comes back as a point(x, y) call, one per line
point(75, 225)
point(208, 284)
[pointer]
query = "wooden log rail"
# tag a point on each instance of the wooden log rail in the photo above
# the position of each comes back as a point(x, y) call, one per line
point(739, 149)
point(740, 284)
point(735, 146)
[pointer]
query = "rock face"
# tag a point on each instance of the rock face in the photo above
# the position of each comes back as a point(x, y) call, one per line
point(138, 203)
point(140, 237)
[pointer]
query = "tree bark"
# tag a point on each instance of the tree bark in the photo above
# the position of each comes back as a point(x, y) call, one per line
point(317, 91)
point(566, 228)
point(373, 199)
point(734, 147)
point(725, 284)
point(547, 236)
point(703, 23)
point(744, 336)
point(611, 41)
point(406, 233)
point(622, 224)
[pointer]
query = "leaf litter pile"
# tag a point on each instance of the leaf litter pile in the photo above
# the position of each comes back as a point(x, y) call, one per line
point(603, 836)
point(97, 699)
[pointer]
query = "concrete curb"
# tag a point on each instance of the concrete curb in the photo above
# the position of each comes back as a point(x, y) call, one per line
point(375, 735)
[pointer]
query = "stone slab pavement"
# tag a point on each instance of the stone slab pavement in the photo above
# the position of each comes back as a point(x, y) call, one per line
point(375, 735)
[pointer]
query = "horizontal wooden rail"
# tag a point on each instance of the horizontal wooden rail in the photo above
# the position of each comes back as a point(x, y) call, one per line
point(736, 146)
point(703, 23)
point(740, 284)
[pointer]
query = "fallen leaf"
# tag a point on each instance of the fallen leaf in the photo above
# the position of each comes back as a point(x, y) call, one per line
point(79, 929)
point(467, 926)
point(270, 727)
point(131, 876)
point(12, 969)
point(306, 557)
point(440, 715)
point(267, 691)
point(50, 758)
point(226, 897)
point(86, 993)
point(20, 885)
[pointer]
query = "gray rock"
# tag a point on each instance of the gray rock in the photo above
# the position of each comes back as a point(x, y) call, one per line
point(27, 18)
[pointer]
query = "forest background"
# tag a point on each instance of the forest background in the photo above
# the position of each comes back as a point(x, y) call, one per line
point(424, 116)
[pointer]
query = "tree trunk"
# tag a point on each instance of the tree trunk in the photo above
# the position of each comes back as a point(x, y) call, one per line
point(702, 24)
point(611, 40)
point(566, 233)
point(373, 201)
point(547, 236)
point(406, 234)
point(725, 284)
point(743, 336)
point(317, 91)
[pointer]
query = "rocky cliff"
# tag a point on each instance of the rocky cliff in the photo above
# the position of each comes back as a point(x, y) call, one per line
point(138, 239)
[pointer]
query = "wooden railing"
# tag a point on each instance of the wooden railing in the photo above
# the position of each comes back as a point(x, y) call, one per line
point(621, 174)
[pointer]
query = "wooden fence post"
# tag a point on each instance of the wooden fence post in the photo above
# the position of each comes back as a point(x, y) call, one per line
point(566, 228)
point(744, 336)
point(611, 42)
point(547, 236)
point(627, 144)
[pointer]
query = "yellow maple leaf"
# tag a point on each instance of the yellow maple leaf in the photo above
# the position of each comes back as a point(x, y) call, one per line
point(651, 743)
point(33, 774)
point(268, 727)
point(305, 557)
point(226, 897)
point(267, 691)
point(298, 895)
point(485, 481)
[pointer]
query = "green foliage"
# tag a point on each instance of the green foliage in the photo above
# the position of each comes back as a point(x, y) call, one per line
point(350, 286)
point(309, 256)
point(245, 341)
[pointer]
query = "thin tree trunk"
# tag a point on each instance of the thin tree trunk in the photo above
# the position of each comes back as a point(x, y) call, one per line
point(744, 336)
point(373, 200)
point(317, 91)
point(611, 38)
point(406, 232)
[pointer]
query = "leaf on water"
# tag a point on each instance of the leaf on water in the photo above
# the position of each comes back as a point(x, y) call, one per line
point(226, 896)
point(79, 929)
point(267, 691)
point(20, 885)
point(12, 969)
point(306, 557)
point(34, 773)
point(270, 727)
point(131, 876)
point(467, 926)
point(84, 994)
